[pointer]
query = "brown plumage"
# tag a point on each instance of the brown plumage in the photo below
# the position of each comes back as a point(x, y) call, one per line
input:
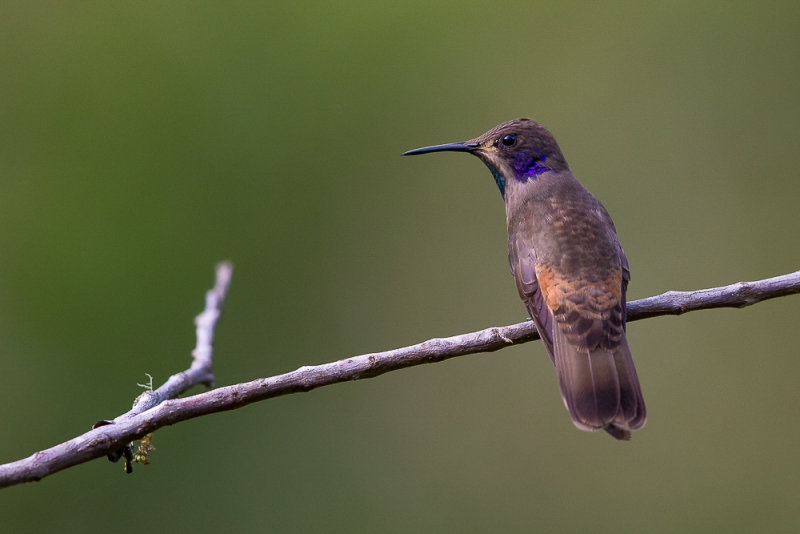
point(570, 271)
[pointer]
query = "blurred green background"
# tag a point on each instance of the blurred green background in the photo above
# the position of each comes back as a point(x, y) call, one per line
point(143, 142)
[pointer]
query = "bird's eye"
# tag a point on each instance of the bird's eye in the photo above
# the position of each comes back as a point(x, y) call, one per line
point(509, 140)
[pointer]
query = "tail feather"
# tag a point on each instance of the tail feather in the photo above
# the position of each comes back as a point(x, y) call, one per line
point(632, 401)
point(599, 387)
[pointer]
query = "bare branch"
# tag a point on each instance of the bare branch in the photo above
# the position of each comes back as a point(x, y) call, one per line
point(736, 295)
point(133, 425)
point(200, 371)
point(85, 447)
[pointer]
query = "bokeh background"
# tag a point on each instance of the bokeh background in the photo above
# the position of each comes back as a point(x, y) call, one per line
point(143, 142)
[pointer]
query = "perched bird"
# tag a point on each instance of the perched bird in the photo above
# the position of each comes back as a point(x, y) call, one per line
point(570, 270)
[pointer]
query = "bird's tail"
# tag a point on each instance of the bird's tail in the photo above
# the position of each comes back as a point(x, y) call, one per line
point(599, 387)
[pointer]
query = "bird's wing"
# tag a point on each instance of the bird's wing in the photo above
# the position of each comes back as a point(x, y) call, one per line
point(523, 267)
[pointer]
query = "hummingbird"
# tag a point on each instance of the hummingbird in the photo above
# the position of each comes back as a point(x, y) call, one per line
point(570, 271)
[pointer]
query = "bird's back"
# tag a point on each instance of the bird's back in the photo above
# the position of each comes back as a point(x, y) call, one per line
point(572, 275)
point(561, 239)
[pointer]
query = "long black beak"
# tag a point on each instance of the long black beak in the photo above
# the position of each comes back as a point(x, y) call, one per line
point(453, 147)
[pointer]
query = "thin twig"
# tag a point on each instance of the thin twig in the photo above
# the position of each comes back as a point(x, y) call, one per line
point(200, 372)
point(127, 428)
point(83, 448)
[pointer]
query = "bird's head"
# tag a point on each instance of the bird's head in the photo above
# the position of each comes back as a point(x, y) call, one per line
point(520, 149)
